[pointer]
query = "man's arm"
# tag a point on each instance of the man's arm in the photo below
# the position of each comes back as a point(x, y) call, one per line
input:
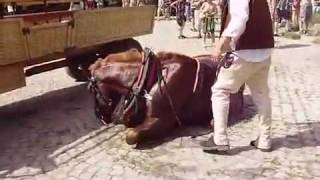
point(236, 24)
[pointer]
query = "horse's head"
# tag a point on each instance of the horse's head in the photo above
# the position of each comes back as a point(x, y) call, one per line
point(110, 81)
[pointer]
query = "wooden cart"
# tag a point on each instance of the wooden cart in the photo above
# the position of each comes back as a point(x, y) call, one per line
point(39, 42)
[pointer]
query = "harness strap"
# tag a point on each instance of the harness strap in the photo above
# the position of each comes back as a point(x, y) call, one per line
point(196, 81)
point(140, 86)
point(161, 79)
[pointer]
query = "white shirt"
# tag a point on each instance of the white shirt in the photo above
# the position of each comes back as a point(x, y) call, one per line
point(239, 15)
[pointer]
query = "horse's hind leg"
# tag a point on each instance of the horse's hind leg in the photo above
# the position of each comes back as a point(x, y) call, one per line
point(152, 128)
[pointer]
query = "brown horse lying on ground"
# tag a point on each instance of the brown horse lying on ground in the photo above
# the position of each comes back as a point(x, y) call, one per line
point(170, 90)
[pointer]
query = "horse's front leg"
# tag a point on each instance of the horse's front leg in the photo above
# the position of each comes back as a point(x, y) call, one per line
point(166, 104)
point(152, 128)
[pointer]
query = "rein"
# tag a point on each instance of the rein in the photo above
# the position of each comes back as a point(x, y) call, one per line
point(99, 98)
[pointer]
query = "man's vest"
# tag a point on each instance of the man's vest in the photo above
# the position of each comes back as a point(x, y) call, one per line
point(258, 33)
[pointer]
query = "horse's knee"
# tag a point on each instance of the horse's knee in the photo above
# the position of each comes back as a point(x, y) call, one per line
point(132, 136)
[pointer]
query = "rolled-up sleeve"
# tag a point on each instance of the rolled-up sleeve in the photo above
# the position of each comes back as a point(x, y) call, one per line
point(239, 14)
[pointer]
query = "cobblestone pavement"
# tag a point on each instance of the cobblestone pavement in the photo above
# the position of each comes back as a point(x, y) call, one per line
point(48, 130)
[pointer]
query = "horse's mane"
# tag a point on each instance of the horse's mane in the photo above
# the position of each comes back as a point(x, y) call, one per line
point(164, 55)
point(132, 55)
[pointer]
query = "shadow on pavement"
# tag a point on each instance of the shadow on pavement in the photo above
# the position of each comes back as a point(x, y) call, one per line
point(34, 133)
point(290, 46)
point(302, 139)
point(190, 131)
point(32, 130)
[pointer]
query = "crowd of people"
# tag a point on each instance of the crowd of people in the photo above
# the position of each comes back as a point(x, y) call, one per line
point(294, 15)
point(200, 13)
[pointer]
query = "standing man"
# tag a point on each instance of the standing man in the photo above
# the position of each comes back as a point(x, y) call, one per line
point(246, 30)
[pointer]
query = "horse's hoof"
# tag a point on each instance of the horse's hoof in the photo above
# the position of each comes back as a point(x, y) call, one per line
point(132, 136)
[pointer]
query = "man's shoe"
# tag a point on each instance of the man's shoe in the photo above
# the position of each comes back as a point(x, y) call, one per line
point(210, 145)
point(255, 144)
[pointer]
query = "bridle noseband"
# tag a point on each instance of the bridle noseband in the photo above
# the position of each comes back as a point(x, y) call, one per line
point(99, 99)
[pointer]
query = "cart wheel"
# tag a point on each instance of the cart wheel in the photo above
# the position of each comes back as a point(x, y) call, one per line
point(78, 66)
point(75, 71)
point(119, 46)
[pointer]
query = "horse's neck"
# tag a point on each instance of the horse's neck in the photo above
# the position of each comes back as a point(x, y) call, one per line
point(118, 73)
point(128, 74)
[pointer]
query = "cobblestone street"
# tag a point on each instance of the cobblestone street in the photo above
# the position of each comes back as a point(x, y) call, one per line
point(48, 129)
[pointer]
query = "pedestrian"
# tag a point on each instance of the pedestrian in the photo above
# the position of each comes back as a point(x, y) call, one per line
point(247, 31)
point(180, 6)
point(316, 6)
point(295, 13)
point(273, 11)
point(188, 10)
point(206, 9)
point(284, 13)
point(125, 3)
point(195, 7)
point(305, 15)
point(90, 4)
point(160, 8)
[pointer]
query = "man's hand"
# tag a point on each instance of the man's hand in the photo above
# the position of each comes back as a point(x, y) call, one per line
point(222, 46)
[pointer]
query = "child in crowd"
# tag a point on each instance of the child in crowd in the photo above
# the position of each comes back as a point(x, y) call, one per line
point(180, 6)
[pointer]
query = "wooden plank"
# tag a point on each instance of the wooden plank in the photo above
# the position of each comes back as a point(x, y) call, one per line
point(38, 1)
point(47, 39)
point(32, 70)
point(12, 42)
point(43, 16)
point(104, 25)
point(12, 77)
